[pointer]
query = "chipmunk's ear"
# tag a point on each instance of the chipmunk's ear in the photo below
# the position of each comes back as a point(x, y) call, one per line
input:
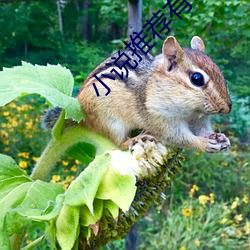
point(197, 43)
point(171, 50)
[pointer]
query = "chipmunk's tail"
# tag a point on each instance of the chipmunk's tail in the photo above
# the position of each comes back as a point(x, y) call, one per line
point(50, 118)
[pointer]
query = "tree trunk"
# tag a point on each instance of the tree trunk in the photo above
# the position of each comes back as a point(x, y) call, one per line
point(134, 25)
point(131, 238)
point(59, 16)
point(134, 17)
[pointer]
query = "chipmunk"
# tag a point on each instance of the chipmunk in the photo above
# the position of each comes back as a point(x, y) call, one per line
point(170, 97)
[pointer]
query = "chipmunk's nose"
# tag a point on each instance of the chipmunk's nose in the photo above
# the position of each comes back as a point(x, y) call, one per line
point(227, 108)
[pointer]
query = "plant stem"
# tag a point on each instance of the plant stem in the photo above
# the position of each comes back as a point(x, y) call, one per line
point(57, 147)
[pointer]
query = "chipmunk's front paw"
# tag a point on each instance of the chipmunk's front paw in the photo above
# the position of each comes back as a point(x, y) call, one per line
point(217, 142)
point(141, 139)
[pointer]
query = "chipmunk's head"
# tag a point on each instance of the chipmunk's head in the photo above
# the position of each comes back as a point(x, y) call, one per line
point(198, 78)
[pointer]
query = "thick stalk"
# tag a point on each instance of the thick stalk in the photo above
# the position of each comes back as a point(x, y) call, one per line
point(57, 147)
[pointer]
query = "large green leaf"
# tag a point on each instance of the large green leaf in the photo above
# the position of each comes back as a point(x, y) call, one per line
point(86, 218)
point(83, 152)
point(20, 197)
point(9, 168)
point(40, 193)
point(53, 82)
point(67, 226)
point(118, 188)
point(82, 191)
point(6, 186)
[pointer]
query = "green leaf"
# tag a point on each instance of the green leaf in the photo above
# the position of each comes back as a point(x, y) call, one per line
point(83, 152)
point(83, 189)
point(118, 188)
point(86, 218)
point(26, 202)
point(58, 127)
point(20, 197)
point(86, 231)
point(14, 198)
point(13, 223)
point(6, 186)
point(112, 208)
point(49, 214)
point(7, 220)
point(67, 226)
point(39, 194)
point(53, 82)
point(50, 234)
point(4, 240)
point(9, 168)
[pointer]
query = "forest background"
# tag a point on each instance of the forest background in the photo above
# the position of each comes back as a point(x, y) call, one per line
point(207, 205)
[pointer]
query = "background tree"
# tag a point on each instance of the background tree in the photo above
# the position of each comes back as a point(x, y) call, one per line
point(134, 17)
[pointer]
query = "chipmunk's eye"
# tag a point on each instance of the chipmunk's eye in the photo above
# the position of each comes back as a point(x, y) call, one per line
point(197, 79)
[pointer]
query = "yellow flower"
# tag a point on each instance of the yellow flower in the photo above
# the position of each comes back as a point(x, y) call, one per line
point(182, 248)
point(6, 141)
point(23, 107)
point(73, 168)
point(55, 178)
point(211, 195)
point(6, 113)
point(70, 178)
point(234, 152)
point(197, 242)
point(193, 190)
point(4, 134)
point(29, 124)
point(14, 123)
point(238, 218)
point(247, 227)
point(223, 235)
point(203, 199)
point(235, 203)
point(223, 221)
point(35, 159)
point(77, 162)
point(23, 164)
point(65, 163)
point(245, 199)
point(187, 211)
point(224, 164)
point(65, 185)
point(24, 155)
point(12, 105)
